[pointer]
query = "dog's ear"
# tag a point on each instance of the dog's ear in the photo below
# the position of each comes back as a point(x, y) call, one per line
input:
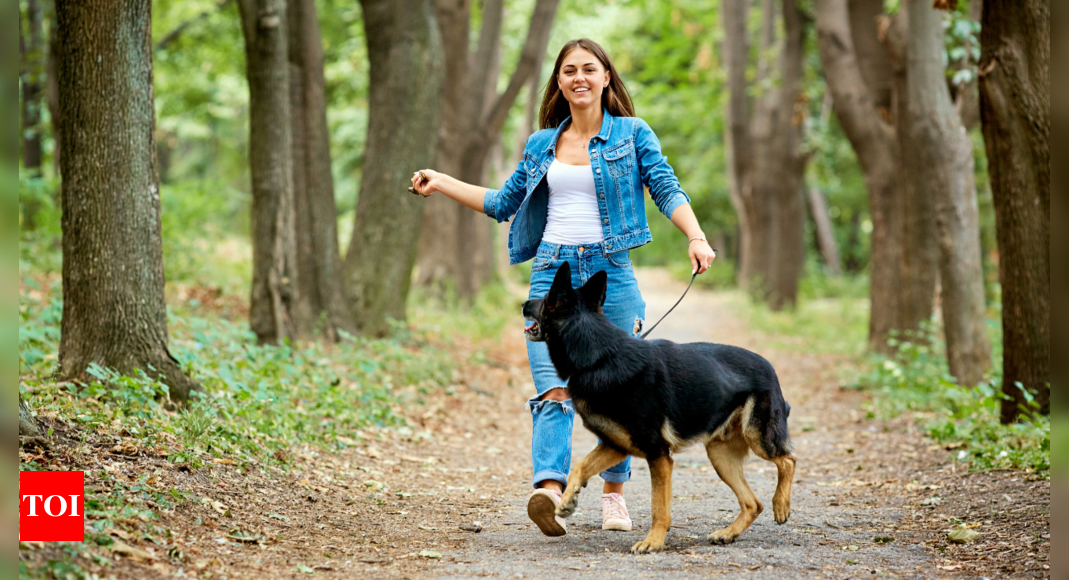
point(560, 293)
point(593, 292)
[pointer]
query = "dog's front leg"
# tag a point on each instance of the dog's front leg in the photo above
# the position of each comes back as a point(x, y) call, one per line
point(661, 476)
point(598, 460)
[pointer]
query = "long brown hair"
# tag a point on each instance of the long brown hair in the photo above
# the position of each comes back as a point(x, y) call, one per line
point(615, 99)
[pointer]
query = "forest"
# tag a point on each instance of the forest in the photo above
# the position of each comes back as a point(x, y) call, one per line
point(270, 359)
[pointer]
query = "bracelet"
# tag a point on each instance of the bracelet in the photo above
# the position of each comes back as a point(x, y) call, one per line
point(702, 238)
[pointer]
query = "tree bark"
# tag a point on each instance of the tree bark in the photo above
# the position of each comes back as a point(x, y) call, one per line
point(33, 69)
point(403, 44)
point(829, 249)
point(275, 293)
point(114, 312)
point(766, 167)
point(1015, 116)
point(319, 268)
point(456, 244)
point(902, 260)
point(946, 175)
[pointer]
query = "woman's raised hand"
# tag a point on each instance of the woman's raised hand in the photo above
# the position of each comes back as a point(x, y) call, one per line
point(425, 182)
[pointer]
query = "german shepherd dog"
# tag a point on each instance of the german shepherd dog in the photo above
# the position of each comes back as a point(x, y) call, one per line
point(653, 398)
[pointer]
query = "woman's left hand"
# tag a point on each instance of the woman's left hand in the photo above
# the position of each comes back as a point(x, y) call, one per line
point(701, 256)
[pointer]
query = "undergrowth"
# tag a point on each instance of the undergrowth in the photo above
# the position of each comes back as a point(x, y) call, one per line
point(259, 399)
point(916, 380)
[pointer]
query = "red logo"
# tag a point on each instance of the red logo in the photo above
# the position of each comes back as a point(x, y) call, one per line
point(51, 506)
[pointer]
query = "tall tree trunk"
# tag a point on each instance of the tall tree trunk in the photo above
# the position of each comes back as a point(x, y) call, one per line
point(33, 69)
point(919, 258)
point(1015, 116)
point(825, 234)
point(319, 267)
point(781, 167)
point(403, 44)
point(766, 168)
point(869, 98)
point(739, 139)
point(113, 305)
point(456, 244)
point(275, 293)
point(52, 96)
point(946, 175)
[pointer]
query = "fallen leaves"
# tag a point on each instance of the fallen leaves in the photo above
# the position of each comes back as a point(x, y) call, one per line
point(961, 534)
point(124, 549)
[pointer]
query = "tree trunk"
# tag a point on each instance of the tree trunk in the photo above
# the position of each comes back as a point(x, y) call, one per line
point(1015, 116)
point(902, 260)
point(28, 423)
point(113, 305)
point(275, 293)
point(780, 165)
point(919, 258)
point(946, 176)
point(766, 168)
point(33, 69)
point(318, 258)
point(741, 149)
point(403, 44)
point(456, 244)
point(829, 249)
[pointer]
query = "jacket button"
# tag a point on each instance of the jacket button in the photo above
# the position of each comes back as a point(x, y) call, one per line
point(598, 170)
point(603, 196)
point(606, 220)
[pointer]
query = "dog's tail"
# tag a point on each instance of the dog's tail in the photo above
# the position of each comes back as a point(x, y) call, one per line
point(768, 422)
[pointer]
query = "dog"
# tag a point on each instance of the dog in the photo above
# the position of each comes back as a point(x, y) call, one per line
point(653, 398)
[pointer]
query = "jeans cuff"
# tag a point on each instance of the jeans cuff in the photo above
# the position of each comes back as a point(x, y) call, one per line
point(551, 474)
point(611, 477)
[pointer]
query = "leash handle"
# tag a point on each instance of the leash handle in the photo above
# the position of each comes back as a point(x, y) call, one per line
point(692, 277)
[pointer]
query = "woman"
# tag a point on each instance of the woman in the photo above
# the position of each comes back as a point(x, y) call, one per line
point(577, 196)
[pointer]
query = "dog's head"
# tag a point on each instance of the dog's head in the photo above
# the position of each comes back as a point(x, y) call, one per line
point(562, 302)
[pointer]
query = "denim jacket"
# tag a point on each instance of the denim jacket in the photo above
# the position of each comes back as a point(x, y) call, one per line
point(625, 157)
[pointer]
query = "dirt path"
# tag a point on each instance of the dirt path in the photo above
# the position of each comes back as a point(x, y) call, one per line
point(407, 506)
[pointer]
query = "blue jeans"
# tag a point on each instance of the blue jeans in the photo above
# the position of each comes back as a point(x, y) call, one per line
point(551, 442)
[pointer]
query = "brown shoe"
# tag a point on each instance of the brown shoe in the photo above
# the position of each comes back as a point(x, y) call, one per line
point(542, 509)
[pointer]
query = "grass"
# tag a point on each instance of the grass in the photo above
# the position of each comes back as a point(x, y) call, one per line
point(916, 380)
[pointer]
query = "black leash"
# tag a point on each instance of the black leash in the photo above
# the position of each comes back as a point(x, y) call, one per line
point(693, 276)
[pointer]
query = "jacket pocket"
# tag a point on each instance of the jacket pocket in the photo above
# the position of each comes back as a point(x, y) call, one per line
point(621, 158)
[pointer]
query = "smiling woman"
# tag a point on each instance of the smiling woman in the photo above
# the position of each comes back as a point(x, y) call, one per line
point(577, 198)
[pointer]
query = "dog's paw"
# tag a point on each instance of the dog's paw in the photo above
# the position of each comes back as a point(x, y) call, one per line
point(568, 503)
point(782, 513)
point(648, 546)
point(722, 537)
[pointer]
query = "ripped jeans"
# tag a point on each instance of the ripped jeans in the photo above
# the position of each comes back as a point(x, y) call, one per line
point(551, 442)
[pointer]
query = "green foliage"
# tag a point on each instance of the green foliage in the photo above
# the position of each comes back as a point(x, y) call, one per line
point(202, 221)
point(916, 379)
point(823, 325)
point(260, 398)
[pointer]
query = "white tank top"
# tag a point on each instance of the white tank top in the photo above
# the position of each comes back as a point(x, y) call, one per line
point(574, 218)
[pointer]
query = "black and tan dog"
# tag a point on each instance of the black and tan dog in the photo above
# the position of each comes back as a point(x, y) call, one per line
point(652, 398)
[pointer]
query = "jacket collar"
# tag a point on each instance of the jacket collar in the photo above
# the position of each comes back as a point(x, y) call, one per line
point(606, 130)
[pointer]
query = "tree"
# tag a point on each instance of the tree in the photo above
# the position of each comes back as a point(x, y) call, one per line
point(946, 173)
point(1015, 116)
point(319, 268)
point(766, 165)
point(32, 53)
point(275, 292)
point(114, 312)
point(456, 244)
point(865, 71)
point(404, 49)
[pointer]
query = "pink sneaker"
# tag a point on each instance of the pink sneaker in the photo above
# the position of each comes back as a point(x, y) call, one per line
point(542, 509)
point(614, 513)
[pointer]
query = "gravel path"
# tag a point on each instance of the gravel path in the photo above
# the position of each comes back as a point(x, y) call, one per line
point(827, 535)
